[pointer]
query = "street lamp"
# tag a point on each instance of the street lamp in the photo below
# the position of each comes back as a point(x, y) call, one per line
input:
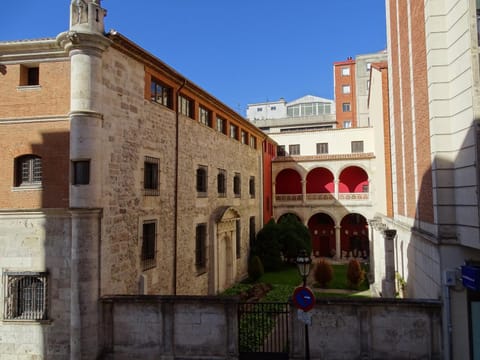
point(304, 263)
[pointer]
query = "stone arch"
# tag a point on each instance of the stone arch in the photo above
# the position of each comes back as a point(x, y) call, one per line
point(353, 179)
point(354, 236)
point(322, 231)
point(288, 181)
point(320, 180)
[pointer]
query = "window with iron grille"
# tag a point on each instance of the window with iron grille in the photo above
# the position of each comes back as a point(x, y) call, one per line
point(294, 149)
point(150, 176)
point(202, 177)
point(160, 93)
point(205, 116)
point(238, 238)
point(185, 106)
point(251, 187)
point(81, 172)
point(357, 146)
point(222, 183)
point(237, 185)
point(322, 148)
point(252, 230)
point(201, 247)
point(281, 150)
point(28, 170)
point(149, 237)
point(25, 296)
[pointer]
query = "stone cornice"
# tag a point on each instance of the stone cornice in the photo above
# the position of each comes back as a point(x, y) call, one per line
point(92, 43)
point(31, 50)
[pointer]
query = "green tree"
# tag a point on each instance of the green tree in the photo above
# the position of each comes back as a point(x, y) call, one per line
point(267, 246)
point(294, 236)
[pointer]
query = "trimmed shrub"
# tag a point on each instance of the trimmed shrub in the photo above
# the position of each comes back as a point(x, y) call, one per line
point(255, 268)
point(293, 237)
point(323, 273)
point(355, 274)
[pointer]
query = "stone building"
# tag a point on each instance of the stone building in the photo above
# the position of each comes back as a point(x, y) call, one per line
point(119, 176)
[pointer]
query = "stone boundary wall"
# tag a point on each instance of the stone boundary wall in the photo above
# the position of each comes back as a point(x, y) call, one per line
point(196, 327)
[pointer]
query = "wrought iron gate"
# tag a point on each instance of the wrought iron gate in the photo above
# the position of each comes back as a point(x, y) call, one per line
point(263, 330)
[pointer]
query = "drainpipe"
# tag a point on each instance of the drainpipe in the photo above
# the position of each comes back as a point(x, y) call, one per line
point(175, 218)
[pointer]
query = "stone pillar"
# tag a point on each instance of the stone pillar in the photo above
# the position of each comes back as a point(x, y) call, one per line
point(85, 339)
point(338, 247)
point(336, 191)
point(388, 284)
point(304, 191)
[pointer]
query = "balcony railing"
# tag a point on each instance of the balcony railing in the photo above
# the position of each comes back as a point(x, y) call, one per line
point(363, 196)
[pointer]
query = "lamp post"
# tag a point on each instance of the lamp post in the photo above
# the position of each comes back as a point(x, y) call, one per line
point(304, 263)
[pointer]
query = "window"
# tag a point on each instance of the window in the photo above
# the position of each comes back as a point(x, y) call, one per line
point(29, 75)
point(160, 93)
point(244, 137)
point(237, 185)
point(281, 150)
point(234, 131)
point(150, 176)
point(357, 146)
point(346, 107)
point(253, 142)
point(222, 183)
point(322, 148)
point(369, 66)
point(185, 106)
point(345, 89)
point(149, 235)
point(346, 71)
point(205, 116)
point(251, 187)
point(238, 238)
point(202, 175)
point(259, 109)
point(81, 172)
point(273, 108)
point(221, 125)
point(26, 296)
point(28, 170)
point(201, 246)
point(294, 149)
point(347, 124)
point(252, 230)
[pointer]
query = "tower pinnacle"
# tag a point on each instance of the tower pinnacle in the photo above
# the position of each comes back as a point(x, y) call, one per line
point(87, 16)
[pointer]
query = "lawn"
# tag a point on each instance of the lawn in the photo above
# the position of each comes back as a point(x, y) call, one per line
point(287, 279)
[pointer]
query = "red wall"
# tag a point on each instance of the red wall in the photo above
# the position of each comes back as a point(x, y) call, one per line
point(352, 180)
point(320, 180)
point(288, 181)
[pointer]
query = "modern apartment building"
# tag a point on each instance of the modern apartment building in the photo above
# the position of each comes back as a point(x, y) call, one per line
point(119, 176)
point(432, 230)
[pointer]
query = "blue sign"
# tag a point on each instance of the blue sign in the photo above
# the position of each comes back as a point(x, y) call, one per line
point(303, 298)
point(471, 277)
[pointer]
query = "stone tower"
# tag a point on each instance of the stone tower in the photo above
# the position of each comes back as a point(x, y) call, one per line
point(85, 43)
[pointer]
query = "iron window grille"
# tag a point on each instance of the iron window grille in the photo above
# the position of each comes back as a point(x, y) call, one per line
point(201, 247)
point(150, 176)
point(28, 170)
point(202, 181)
point(149, 235)
point(221, 183)
point(251, 186)
point(25, 296)
point(237, 185)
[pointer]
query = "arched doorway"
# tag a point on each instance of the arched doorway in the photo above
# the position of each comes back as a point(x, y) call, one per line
point(354, 236)
point(322, 230)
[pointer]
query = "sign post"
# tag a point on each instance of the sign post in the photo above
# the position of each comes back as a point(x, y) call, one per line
point(304, 301)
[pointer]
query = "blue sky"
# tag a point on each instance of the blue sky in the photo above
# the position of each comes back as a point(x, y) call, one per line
point(241, 51)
